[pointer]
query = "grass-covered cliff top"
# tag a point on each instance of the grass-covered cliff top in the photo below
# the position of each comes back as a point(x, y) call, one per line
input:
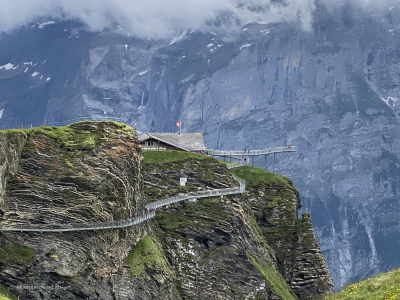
point(254, 176)
point(162, 157)
point(85, 135)
point(385, 286)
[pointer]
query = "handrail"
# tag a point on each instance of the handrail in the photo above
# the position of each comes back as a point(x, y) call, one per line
point(129, 222)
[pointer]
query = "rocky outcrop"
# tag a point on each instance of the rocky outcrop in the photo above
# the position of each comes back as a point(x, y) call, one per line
point(275, 203)
point(234, 235)
point(310, 278)
point(11, 144)
point(85, 172)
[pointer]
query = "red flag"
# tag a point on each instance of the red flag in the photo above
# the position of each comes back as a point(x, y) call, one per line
point(178, 124)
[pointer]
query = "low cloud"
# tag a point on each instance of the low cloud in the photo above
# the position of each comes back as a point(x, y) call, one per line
point(163, 19)
point(153, 18)
point(366, 5)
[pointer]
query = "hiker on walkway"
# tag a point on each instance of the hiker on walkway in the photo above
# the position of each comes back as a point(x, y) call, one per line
point(245, 150)
point(248, 151)
point(245, 160)
point(289, 147)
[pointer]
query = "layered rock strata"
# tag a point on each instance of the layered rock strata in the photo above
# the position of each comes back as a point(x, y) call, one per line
point(275, 205)
point(86, 172)
point(237, 246)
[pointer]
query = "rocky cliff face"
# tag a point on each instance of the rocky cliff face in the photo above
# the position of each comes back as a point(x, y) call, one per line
point(275, 203)
point(86, 172)
point(238, 247)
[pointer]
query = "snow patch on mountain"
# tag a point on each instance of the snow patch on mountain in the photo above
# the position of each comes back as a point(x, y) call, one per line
point(390, 101)
point(144, 72)
point(7, 67)
point(42, 25)
point(244, 46)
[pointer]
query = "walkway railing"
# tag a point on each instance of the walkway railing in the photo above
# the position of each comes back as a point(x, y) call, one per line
point(236, 164)
point(252, 152)
point(85, 226)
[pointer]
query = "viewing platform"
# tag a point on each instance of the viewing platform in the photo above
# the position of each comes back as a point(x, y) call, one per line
point(251, 152)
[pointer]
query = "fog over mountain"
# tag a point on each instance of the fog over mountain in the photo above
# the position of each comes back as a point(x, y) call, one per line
point(162, 19)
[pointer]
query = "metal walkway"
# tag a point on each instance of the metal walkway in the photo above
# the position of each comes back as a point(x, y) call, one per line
point(130, 222)
point(252, 152)
point(246, 157)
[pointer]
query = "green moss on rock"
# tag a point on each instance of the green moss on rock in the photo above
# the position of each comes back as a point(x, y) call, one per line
point(162, 157)
point(273, 278)
point(206, 212)
point(82, 136)
point(6, 294)
point(69, 138)
point(147, 254)
point(15, 254)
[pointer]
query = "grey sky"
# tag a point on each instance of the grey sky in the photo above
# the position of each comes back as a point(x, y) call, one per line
point(161, 18)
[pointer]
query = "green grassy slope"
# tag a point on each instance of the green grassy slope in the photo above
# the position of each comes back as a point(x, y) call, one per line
point(385, 286)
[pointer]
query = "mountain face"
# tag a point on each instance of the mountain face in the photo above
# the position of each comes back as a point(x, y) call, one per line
point(332, 92)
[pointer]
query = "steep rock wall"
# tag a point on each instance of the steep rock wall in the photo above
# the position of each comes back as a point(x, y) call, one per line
point(230, 236)
point(275, 203)
point(85, 172)
point(11, 144)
